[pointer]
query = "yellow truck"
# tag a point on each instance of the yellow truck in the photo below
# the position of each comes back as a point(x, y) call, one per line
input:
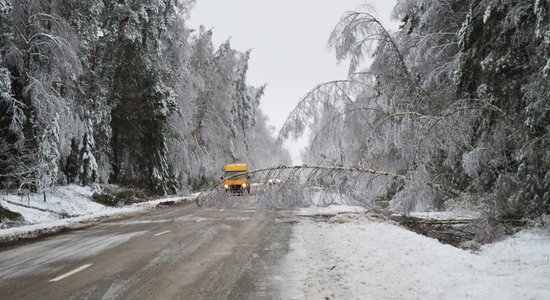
point(236, 179)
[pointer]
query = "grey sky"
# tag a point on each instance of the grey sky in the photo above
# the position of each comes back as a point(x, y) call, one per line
point(288, 39)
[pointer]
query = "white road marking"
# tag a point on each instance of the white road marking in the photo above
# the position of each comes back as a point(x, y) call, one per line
point(70, 273)
point(161, 233)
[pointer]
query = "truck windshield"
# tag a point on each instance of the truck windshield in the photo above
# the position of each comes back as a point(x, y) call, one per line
point(240, 174)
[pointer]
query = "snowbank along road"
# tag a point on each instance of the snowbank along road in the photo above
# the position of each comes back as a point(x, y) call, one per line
point(178, 252)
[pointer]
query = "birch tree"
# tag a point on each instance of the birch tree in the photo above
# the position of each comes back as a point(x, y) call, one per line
point(449, 99)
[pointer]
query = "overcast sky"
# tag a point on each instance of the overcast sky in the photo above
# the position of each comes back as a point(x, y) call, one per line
point(288, 39)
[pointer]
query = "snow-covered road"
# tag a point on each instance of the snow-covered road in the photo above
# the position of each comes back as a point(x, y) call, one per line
point(358, 256)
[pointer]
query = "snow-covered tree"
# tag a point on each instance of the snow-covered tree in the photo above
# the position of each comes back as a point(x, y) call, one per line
point(456, 101)
point(119, 91)
point(40, 55)
point(142, 101)
point(88, 165)
point(88, 19)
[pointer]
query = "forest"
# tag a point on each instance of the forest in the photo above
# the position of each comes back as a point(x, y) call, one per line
point(122, 92)
point(456, 105)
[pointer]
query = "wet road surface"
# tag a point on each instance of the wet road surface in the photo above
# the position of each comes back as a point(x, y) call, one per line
point(177, 252)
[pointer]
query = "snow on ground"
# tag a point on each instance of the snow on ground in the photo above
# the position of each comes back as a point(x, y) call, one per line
point(331, 210)
point(356, 256)
point(72, 200)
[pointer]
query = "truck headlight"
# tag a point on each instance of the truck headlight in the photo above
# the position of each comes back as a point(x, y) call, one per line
point(244, 185)
point(226, 186)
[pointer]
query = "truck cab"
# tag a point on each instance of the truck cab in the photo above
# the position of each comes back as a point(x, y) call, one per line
point(236, 179)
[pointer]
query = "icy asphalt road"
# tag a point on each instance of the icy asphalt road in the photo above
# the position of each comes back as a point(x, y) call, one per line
point(177, 252)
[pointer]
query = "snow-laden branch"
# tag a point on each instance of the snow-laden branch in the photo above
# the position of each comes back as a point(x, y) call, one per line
point(358, 32)
point(315, 172)
point(306, 109)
